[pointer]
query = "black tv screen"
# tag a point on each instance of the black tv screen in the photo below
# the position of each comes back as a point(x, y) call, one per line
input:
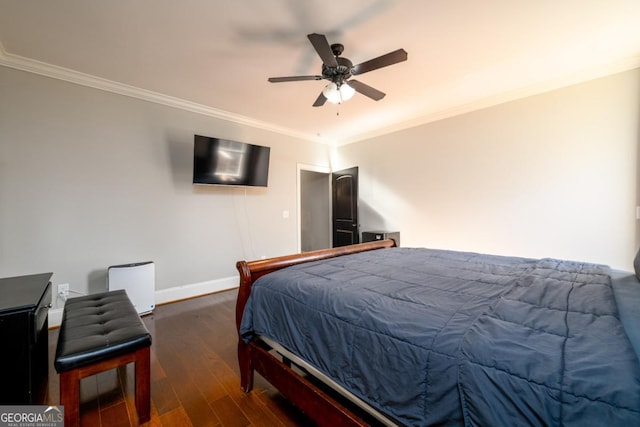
point(224, 162)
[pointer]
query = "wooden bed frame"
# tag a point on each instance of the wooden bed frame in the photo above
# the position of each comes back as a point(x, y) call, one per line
point(312, 400)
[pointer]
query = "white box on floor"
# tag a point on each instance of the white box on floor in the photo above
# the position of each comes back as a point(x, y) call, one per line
point(139, 280)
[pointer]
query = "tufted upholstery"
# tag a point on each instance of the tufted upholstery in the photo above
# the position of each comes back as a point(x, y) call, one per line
point(98, 327)
point(101, 332)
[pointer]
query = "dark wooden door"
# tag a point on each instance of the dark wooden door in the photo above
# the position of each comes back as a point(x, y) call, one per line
point(344, 186)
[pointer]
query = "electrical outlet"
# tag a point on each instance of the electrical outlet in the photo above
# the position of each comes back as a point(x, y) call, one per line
point(63, 290)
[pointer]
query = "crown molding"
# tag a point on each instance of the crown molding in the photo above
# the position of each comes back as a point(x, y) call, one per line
point(72, 76)
point(68, 75)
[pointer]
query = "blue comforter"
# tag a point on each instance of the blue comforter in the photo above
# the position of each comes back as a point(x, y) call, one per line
point(448, 338)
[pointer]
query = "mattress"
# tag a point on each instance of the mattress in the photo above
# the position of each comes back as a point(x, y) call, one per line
point(440, 337)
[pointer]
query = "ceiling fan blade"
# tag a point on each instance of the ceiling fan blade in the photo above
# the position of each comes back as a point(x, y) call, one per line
point(321, 45)
point(293, 79)
point(381, 61)
point(366, 90)
point(320, 100)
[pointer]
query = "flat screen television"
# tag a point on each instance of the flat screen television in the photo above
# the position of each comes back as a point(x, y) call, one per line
point(224, 162)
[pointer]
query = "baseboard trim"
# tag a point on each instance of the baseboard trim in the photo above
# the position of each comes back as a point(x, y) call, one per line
point(165, 296)
point(55, 317)
point(178, 293)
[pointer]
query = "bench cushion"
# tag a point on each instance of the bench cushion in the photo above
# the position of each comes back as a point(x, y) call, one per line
point(98, 327)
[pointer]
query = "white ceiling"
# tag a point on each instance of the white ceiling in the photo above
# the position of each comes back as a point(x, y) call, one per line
point(215, 56)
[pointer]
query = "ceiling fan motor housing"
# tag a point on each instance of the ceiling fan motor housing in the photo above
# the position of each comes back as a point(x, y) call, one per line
point(340, 73)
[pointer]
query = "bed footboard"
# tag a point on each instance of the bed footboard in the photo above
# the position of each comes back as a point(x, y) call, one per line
point(253, 356)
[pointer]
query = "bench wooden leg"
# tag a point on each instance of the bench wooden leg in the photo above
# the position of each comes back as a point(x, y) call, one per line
point(70, 397)
point(143, 384)
point(70, 384)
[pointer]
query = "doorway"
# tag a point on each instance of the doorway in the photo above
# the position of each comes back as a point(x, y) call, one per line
point(327, 208)
point(314, 208)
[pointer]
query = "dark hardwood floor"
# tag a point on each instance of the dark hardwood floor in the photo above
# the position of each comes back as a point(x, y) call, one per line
point(194, 375)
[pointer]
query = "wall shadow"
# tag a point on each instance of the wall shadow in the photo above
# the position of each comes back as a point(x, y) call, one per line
point(97, 281)
point(369, 218)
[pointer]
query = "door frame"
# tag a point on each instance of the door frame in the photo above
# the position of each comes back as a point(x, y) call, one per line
point(312, 168)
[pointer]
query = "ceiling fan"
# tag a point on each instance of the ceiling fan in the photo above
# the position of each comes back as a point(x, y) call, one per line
point(338, 70)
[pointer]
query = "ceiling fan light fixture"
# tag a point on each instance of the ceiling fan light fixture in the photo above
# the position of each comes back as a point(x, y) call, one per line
point(346, 92)
point(337, 94)
point(332, 93)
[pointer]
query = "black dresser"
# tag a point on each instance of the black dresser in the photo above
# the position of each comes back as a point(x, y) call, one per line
point(24, 323)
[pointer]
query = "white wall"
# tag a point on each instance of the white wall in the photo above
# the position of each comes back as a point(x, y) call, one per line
point(554, 175)
point(90, 179)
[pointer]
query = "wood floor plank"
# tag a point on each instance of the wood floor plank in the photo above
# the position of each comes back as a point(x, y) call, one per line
point(109, 388)
point(256, 412)
point(89, 403)
point(155, 418)
point(208, 384)
point(199, 411)
point(164, 396)
point(176, 418)
point(115, 415)
point(282, 409)
point(229, 413)
point(157, 372)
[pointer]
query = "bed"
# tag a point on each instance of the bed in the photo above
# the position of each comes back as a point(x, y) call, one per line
point(374, 334)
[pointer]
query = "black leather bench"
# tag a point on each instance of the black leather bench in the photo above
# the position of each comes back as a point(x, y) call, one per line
point(101, 332)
